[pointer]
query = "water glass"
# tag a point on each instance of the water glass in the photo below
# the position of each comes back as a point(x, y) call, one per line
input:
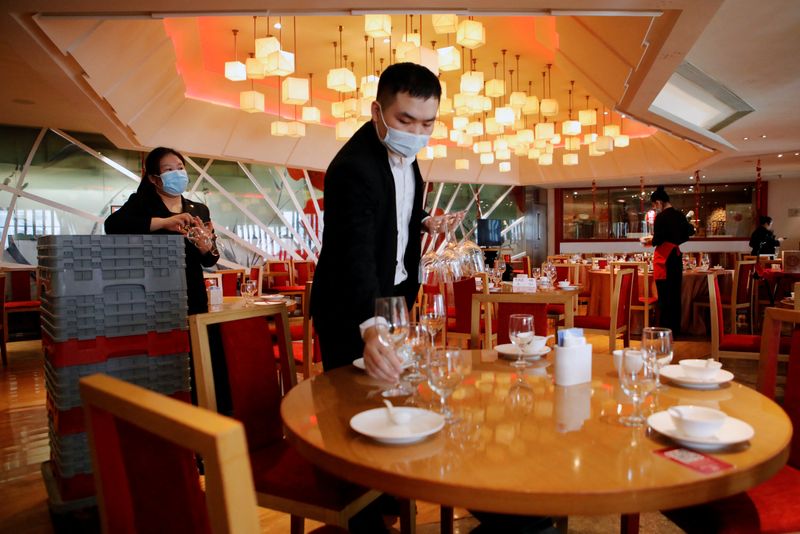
point(416, 348)
point(637, 378)
point(249, 289)
point(520, 331)
point(447, 367)
point(392, 326)
point(658, 342)
point(433, 318)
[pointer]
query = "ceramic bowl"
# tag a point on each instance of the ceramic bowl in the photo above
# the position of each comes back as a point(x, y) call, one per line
point(700, 368)
point(697, 421)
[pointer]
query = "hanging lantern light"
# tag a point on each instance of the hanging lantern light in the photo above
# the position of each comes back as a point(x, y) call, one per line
point(279, 128)
point(621, 141)
point(454, 135)
point(365, 107)
point(593, 150)
point(525, 136)
point(350, 107)
point(549, 107)
point(254, 68)
point(426, 57)
point(279, 63)
point(460, 123)
point(265, 46)
point(342, 80)
point(569, 159)
point(544, 130)
point(587, 117)
point(295, 129)
point(572, 143)
point(493, 127)
point(474, 104)
point(569, 126)
point(517, 100)
point(251, 101)
point(611, 130)
point(589, 138)
point(235, 70)
point(345, 129)
point(503, 154)
point(521, 150)
point(495, 88)
point(337, 110)
point(487, 158)
point(470, 34)
point(471, 82)
point(439, 130)
point(369, 86)
point(504, 115)
point(425, 154)
point(446, 106)
point(540, 143)
point(531, 106)
point(500, 144)
point(548, 149)
point(440, 151)
point(378, 26)
point(486, 103)
point(505, 166)
point(546, 159)
point(604, 143)
point(294, 91)
point(449, 58)
point(534, 153)
point(462, 164)
point(483, 147)
point(556, 139)
point(475, 129)
point(443, 85)
point(464, 140)
point(311, 115)
point(445, 23)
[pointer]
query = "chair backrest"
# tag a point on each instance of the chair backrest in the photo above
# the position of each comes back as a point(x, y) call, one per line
point(462, 301)
point(212, 279)
point(257, 274)
point(231, 280)
point(559, 258)
point(742, 274)
point(621, 301)
point(279, 273)
point(257, 381)
point(143, 452)
point(303, 272)
point(507, 304)
point(311, 351)
point(715, 305)
point(796, 295)
point(21, 281)
point(640, 277)
point(774, 319)
point(567, 271)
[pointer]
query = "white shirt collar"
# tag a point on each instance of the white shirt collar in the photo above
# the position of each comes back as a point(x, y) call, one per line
point(396, 160)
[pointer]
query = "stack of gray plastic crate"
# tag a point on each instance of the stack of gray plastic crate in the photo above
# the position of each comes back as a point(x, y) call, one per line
point(109, 304)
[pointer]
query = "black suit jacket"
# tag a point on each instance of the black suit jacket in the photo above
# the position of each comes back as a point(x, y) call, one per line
point(359, 243)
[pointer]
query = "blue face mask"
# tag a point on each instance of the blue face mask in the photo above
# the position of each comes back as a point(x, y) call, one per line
point(403, 143)
point(174, 182)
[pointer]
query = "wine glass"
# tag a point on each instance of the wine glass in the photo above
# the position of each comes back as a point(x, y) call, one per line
point(520, 331)
point(249, 289)
point(416, 347)
point(658, 342)
point(392, 326)
point(705, 261)
point(433, 318)
point(447, 367)
point(637, 378)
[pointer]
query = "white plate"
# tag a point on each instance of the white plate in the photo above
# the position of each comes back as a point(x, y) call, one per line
point(375, 423)
point(732, 432)
point(359, 362)
point(677, 375)
point(273, 298)
point(509, 352)
point(567, 288)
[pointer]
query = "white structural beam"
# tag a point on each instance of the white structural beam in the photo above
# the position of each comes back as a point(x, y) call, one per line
point(508, 228)
point(56, 205)
point(20, 181)
point(303, 219)
point(314, 201)
point(98, 155)
point(200, 177)
point(241, 242)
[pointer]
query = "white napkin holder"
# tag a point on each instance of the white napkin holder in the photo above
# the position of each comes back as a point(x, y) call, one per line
point(573, 364)
point(523, 284)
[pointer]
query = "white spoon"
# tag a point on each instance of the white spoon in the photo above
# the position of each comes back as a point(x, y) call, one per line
point(396, 417)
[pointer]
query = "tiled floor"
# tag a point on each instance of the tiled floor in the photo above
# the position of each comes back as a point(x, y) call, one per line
point(24, 446)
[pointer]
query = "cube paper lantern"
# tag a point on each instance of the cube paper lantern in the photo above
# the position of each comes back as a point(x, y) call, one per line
point(484, 147)
point(611, 130)
point(517, 100)
point(534, 153)
point(265, 46)
point(593, 150)
point(589, 138)
point(504, 115)
point(556, 139)
point(460, 123)
point(569, 159)
point(254, 68)
point(279, 128)
point(445, 23)
point(531, 106)
point(475, 128)
point(337, 110)
point(546, 159)
point(443, 85)
point(402, 48)
point(587, 117)
point(440, 151)
point(486, 103)
point(350, 107)
point(423, 56)
point(449, 58)
point(462, 164)
point(571, 127)
point(512, 140)
point(549, 107)
point(622, 141)
point(279, 63)
point(342, 80)
point(446, 106)
point(572, 143)
point(235, 71)
point(548, 149)
point(425, 154)
point(378, 26)
point(540, 143)
point(493, 128)
point(455, 135)
point(545, 130)
point(525, 136)
point(295, 129)
point(503, 154)
point(365, 107)
point(412, 38)
point(251, 101)
point(604, 143)
point(369, 86)
point(500, 144)
point(471, 82)
point(345, 129)
point(294, 91)
point(464, 140)
point(311, 115)
point(495, 88)
point(487, 158)
point(474, 104)
point(505, 166)
point(521, 150)
point(470, 34)
point(439, 130)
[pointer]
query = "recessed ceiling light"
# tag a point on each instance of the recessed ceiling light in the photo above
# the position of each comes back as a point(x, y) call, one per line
point(745, 138)
point(797, 153)
point(386, 40)
point(691, 177)
point(605, 113)
point(763, 136)
point(277, 25)
point(704, 176)
point(780, 155)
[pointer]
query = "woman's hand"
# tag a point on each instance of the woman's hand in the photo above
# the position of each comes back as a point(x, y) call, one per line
point(202, 236)
point(180, 222)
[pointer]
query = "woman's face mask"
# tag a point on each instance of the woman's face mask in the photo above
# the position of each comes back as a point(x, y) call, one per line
point(174, 182)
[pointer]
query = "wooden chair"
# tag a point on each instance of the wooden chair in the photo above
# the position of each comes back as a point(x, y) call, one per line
point(796, 296)
point(459, 327)
point(311, 353)
point(143, 453)
point(279, 273)
point(3, 323)
point(284, 480)
point(559, 258)
point(212, 279)
point(772, 506)
point(641, 300)
point(619, 321)
point(21, 299)
point(231, 281)
point(257, 273)
point(564, 271)
point(303, 272)
point(740, 296)
point(505, 304)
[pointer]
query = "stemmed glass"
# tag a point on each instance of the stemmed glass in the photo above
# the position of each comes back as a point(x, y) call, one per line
point(416, 347)
point(447, 367)
point(392, 325)
point(433, 318)
point(637, 377)
point(520, 331)
point(658, 342)
point(248, 289)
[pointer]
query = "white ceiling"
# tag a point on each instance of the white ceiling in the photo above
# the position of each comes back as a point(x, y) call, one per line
point(86, 66)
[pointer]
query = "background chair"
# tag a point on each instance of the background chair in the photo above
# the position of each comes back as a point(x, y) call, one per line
point(303, 272)
point(459, 327)
point(231, 281)
point(284, 480)
point(143, 453)
point(740, 296)
point(506, 304)
point(257, 273)
point(3, 323)
point(641, 300)
point(279, 273)
point(21, 298)
point(619, 322)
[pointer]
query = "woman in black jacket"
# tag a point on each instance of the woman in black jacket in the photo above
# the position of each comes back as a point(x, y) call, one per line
point(158, 207)
point(763, 241)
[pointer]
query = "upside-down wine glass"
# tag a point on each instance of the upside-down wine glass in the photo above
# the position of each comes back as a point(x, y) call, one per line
point(434, 316)
point(392, 325)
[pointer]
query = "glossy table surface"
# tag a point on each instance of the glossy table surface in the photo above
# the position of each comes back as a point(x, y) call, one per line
point(560, 452)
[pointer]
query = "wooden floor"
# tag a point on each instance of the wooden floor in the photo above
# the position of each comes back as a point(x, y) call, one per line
point(24, 446)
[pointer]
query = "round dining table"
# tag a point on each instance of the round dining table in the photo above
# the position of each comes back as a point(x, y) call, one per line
point(533, 448)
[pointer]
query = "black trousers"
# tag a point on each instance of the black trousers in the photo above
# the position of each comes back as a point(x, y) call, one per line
point(669, 295)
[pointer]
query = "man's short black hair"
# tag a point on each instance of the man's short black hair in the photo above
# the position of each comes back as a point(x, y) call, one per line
point(659, 194)
point(764, 219)
point(410, 78)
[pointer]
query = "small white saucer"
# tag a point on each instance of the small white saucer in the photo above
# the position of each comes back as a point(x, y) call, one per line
point(676, 374)
point(375, 424)
point(509, 351)
point(732, 432)
point(567, 288)
point(359, 362)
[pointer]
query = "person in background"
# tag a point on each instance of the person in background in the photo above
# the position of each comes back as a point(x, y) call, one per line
point(670, 230)
point(158, 207)
point(763, 240)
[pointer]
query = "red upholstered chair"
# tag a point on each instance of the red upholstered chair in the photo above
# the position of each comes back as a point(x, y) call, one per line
point(257, 273)
point(506, 304)
point(459, 327)
point(284, 480)
point(619, 321)
point(564, 271)
point(772, 506)
point(641, 300)
point(740, 294)
point(3, 323)
point(303, 272)
point(21, 299)
point(143, 453)
point(231, 281)
point(279, 273)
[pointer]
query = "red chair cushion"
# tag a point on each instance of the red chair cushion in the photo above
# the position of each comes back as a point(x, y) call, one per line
point(648, 300)
point(22, 304)
point(451, 311)
point(740, 343)
point(778, 501)
point(295, 330)
point(555, 309)
point(280, 470)
point(288, 288)
point(594, 322)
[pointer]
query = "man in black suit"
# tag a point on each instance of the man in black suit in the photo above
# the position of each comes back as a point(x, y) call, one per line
point(373, 219)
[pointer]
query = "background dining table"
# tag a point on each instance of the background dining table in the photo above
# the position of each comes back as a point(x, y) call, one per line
point(547, 450)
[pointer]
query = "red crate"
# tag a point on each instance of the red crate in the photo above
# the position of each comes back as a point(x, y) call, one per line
point(73, 488)
point(100, 349)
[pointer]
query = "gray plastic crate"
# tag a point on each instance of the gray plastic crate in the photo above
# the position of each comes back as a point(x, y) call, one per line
point(121, 310)
point(70, 453)
point(76, 249)
point(162, 374)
